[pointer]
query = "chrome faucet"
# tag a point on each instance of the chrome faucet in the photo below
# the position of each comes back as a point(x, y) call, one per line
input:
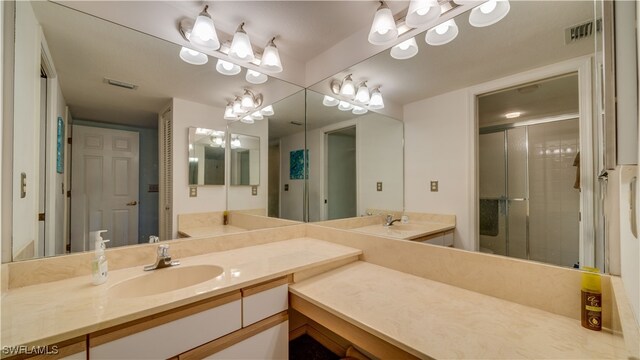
point(163, 260)
point(390, 220)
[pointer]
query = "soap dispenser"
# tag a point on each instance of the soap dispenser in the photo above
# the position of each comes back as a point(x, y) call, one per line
point(99, 262)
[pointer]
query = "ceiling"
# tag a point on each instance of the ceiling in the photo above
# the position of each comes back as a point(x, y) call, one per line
point(530, 36)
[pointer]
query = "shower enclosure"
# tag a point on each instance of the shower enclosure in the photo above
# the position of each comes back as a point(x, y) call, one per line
point(529, 190)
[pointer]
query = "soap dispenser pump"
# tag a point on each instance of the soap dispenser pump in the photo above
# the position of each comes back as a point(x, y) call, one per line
point(99, 262)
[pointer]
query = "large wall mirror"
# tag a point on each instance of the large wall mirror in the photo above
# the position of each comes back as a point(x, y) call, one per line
point(508, 105)
point(206, 156)
point(245, 159)
point(127, 100)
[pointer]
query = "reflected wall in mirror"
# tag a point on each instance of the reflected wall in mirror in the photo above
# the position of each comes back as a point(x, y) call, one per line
point(245, 159)
point(356, 162)
point(127, 101)
point(435, 93)
point(277, 134)
point(206, 156)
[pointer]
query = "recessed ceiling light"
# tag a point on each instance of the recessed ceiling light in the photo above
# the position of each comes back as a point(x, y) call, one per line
point(513, 115)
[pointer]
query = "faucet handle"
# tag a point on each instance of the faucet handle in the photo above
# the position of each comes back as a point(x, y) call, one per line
point(163, 251)
point(389, 218)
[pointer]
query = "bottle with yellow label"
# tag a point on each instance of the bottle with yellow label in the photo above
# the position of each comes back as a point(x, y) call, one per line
point(591, 311)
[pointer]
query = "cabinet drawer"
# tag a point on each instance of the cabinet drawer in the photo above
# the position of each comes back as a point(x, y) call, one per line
point(264, 300)
point(272, 343)
point(184, 331)
point(438, 240)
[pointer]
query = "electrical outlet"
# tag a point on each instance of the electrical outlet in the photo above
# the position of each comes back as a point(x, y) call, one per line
point(286, 187)
point(379, 186)
point(254, 190)
point(434, 186)
point(193, 191)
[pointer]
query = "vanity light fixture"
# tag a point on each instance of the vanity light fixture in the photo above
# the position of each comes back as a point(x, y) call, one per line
point(329, 101)
point(383, 29)
point(255, 77)
point(270, 61)
point(422, 13)
point(216, 140)
point(203, 33)
point(362, 95)
point(226, 68)
point(241, 46)
point(513, 115)
point(376, 101)
point(229, 114)
point(267, 111)
point(250, 100)
point(405, 50)
point(487, 13)
point(442, 34)
point(193, 57)
point(345, 106)
point(235, 142)
point(357, 110)
point(257, 115)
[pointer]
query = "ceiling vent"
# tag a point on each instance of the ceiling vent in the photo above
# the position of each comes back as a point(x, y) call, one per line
point(121, 84)
point(582, 31)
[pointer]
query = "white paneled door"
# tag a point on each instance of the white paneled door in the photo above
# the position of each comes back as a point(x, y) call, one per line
point(104, 186)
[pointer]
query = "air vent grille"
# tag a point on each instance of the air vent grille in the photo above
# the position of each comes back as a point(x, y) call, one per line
point(582, 31)
point(121, 84)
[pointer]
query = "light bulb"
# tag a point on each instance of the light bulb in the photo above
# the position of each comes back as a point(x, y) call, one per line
point(217, 141)
point(203, 33)
point(227, 68)
point(422, 13)
point(488, 7)
point(270, 61)
point(376, 102)
point(247, 101)
point(383, 29)
point(241, 46)
point(442, 28)
point(255, 77)
point(347, 88)
point(363, 94)
point(193, 57)
point(267, 111)
point(329, 101)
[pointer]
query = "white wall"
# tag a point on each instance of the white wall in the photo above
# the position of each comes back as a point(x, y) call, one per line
point(437, 132)
point(210, 198)
point(240, 197)
point(26, 109)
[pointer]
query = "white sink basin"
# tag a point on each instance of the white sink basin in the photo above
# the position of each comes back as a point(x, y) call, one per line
point(165, 280)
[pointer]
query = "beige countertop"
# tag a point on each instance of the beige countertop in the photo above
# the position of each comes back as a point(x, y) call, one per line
point(413, 230)
point(51, 312)
point(432, 319)
point(210, 230)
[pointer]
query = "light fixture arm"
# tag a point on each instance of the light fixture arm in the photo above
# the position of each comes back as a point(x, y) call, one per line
point(241, 28)
point(204, 12)
point(257, 99)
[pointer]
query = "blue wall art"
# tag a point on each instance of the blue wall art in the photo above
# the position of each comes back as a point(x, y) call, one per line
point(296, 164)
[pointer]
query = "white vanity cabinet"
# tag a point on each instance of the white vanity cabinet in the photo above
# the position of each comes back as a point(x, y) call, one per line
point(442, 239)
point(170, 333)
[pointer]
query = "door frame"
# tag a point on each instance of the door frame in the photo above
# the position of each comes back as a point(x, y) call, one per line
point(324, 180)
point(583, 66)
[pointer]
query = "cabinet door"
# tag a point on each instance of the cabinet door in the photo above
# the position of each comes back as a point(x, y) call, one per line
point(264, 304)
point(171, 338)
point(437, 240)
point(272, 343)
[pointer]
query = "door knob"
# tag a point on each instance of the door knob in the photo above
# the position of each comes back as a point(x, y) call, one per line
point(133, 203)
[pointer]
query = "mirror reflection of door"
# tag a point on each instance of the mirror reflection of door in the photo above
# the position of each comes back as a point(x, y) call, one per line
point(529, 184)
point(341, 174)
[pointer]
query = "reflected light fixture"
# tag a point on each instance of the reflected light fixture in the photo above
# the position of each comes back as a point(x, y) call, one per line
point(345, 106)
point(226, 68)
point(267, 111)
point(229, 113)
point(250, 101)
point(422, 13)
point(193, 57)
point(442, 34)
point(255, 77)
point(247, 120)
point(376, 101)
point(237, 106)
point(362, 96)
point(203, 33)
point(513, 115)
point(357, 110)
point(383, 29)
point(489, 13)
point(329, 101)
point(270, 61)
point(405, 50)
point(235, 142)
point(347, 88)
point(241, 46)
point(257, 115)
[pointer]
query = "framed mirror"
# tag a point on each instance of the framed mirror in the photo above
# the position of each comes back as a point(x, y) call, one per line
point(244, 160)
point(206, 156)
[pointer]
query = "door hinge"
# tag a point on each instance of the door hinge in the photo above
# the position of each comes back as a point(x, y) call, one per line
point(41, 217)
point(69, 141)
point(68, 193)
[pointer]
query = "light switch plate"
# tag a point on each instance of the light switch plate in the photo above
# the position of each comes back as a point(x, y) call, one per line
point(434, 186)
point(254, 190)
point(193, 191)
point(286, 187)
point(379, 186)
